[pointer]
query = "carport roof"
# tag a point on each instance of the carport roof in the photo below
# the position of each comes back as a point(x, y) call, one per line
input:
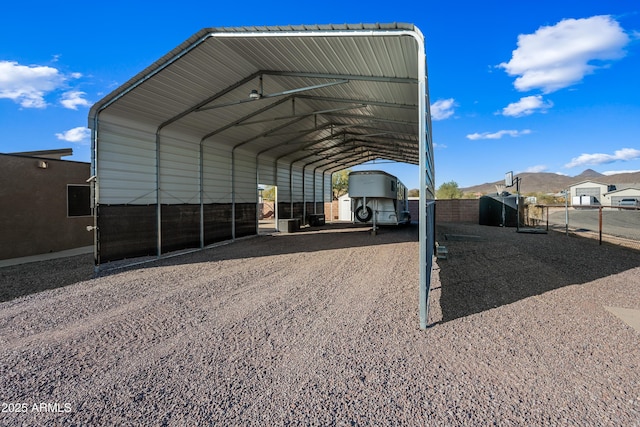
point(331, 96)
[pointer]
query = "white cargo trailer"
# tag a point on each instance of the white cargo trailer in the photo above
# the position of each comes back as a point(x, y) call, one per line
point(378, 198)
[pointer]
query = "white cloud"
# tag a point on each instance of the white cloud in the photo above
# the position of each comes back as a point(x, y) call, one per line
point(527, 106)
point(442, 109)
point(27, 85)
point(624, 154)
point(558, 56)
point(439, 146)
point(73, 99)
point(498, 135)
point(78, 135)
point(622, 171)
point(536, 169)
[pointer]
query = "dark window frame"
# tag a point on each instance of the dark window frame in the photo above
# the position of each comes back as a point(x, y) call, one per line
point(79, 200)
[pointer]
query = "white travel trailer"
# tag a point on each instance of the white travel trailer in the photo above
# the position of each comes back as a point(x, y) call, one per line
point(378, 198)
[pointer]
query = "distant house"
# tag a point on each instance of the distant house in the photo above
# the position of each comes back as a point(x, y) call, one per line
point(613, 198)
point(46, 203)
point(588, 193)
point(593, 194)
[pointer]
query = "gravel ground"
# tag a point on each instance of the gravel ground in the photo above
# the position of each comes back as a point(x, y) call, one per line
point(321, 328)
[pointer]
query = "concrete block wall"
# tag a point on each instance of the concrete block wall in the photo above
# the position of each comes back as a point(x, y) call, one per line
point(450, 210)
point(331, 209)
point(458, 210)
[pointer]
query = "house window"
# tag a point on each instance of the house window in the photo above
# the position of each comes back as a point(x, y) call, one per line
point(78, 200)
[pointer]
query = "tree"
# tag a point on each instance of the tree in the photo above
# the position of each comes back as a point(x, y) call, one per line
point(449, 190)
point(414, 192)
point(269, 193)
point(340, 183)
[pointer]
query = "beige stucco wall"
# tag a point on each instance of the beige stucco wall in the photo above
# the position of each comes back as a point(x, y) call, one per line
point(33, 201)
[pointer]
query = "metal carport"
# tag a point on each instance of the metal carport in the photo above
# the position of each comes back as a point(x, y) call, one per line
point(178, 151)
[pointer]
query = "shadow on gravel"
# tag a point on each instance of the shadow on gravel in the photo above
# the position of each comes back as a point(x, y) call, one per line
point(308, 240)
point(26, 279)
point(488, 267)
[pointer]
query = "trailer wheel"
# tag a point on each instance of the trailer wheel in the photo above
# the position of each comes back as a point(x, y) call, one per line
point(364, 218)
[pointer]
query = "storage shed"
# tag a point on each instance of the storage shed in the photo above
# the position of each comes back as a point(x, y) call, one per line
point(593, 191)
point(179, 150)
point(500, 210)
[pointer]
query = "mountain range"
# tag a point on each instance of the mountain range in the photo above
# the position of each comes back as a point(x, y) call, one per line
point(544, 182)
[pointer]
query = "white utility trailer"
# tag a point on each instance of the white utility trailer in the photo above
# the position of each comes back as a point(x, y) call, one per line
point(378, 198)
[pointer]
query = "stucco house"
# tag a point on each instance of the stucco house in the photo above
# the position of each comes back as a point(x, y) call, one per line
point(46, 203)
point(592, 193)
point(613, 198)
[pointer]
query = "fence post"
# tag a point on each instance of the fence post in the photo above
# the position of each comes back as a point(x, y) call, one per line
point(600, 224)
point(547, 217)
point(566, 212)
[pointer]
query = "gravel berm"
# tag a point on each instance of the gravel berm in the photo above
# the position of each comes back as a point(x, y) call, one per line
point(321, 328)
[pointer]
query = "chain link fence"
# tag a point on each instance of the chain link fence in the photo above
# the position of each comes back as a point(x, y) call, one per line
point(615, 225)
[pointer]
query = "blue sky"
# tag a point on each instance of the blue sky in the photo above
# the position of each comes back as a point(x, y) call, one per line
point(523, 86)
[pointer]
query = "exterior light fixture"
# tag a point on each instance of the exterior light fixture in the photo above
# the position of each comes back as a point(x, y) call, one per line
point(42, 164)
point(254, 94)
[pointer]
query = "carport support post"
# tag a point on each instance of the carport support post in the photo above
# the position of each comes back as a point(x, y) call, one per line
point(275, 206)
point(158, 200)
point(423, 294)
point(233, 195)
point(304, 197)
point(291, 189)
point(201, 196)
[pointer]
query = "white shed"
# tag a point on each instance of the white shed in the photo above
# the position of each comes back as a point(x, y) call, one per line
point(179, 149)
point(588, 193)
point(344, 208)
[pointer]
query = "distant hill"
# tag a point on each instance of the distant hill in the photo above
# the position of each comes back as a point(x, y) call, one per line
point(544, 182)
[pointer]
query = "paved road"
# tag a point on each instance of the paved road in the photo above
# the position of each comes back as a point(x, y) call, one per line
point(624, 223)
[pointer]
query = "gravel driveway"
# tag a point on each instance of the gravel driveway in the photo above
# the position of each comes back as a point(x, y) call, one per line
point(321, 328)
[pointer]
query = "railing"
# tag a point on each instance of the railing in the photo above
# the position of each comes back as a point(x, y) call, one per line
point(616, 225)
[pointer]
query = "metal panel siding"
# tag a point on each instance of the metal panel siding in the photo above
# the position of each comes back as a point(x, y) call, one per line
point(179, 171)
point(297, 184)
point(216, 174)
point(328, 192)
point(284, 195)
point(308, 184)
point(246, 187)
point(265, 171)
point(126, 163)
point(317, 182)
